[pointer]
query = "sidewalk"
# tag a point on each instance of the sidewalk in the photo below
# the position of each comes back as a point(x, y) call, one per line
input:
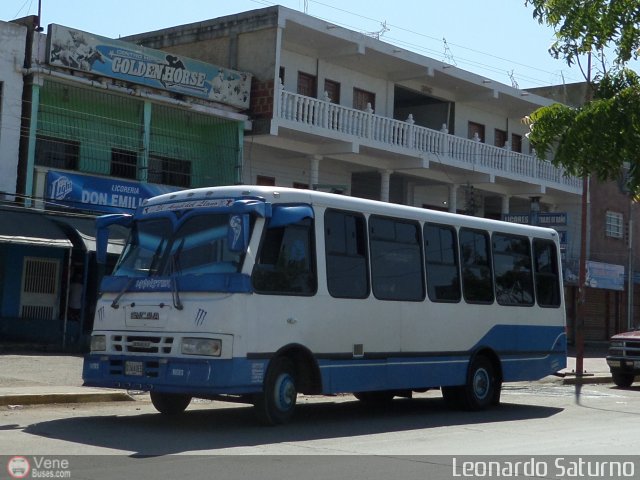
point(44, 378)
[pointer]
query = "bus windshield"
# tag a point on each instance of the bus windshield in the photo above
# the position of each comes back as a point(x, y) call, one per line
point(199, 245)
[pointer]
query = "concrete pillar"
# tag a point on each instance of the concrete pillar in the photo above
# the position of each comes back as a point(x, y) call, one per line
point(314, 171)
point(385, 180)
point(453, 198)
point(504, 209)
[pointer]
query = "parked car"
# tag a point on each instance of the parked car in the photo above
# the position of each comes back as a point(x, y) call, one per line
point(624, 357)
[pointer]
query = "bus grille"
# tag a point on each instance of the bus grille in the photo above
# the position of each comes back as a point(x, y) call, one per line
point(142, 344)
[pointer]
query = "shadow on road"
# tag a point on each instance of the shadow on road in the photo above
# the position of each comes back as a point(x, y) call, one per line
point(210, 429)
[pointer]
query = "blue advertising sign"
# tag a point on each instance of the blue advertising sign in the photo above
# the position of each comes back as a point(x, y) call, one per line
point(99, 194)
point(77, 50)
point(548, 219)
point(516, 218)
point(605, 275)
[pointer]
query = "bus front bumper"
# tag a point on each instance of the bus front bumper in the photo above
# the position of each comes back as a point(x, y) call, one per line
point(195, 376)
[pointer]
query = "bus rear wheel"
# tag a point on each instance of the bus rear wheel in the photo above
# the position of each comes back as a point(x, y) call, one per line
point(482, 389)
point(170, 403)
point(277, 402)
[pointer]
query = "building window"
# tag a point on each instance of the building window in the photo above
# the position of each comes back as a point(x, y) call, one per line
point(516, 143)
point(124, 163)
point(169, 171)
point(57, 153)
point(266, 181)
point(333, 90)
point(476, 130)
point(300, 185)
point(499, 138)
point(281, 75)
point(614, 225)
point(362, 98)
point(307, 85)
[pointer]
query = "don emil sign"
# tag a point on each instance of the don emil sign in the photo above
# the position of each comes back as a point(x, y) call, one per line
point(132, 63)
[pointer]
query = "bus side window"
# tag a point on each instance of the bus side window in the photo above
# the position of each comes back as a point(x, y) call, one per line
point(512, 267)
point(396, 259)
point(346, 252)
point(546, 273)
point(475, 259)
point(441, 255)
point(286, 262)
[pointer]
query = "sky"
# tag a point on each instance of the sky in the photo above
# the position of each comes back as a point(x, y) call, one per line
point(498, 39)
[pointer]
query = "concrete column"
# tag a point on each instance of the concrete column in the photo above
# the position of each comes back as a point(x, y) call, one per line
point(143, 168)
point(385, 180)
point(453, 198)
point(314, 171)
point(504, 210)
point(31, 149)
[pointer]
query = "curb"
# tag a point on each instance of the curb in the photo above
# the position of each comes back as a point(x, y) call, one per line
point(48, 398)
point(586, 379)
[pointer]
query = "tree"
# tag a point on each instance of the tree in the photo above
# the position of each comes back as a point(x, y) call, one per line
point(603, 135)
point(598, 138)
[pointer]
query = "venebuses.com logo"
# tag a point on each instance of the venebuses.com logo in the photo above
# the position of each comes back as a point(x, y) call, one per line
point(18, 467)
point(38, 467)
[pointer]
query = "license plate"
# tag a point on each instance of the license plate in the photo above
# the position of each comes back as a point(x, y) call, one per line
point(133, 368)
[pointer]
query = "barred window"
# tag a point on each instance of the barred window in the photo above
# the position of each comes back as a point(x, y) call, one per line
point(614, 226)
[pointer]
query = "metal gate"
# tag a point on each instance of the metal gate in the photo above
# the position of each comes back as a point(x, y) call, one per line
point(40, 285)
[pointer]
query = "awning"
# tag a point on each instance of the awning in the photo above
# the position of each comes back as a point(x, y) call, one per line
point(31, 228)
point(82, 232)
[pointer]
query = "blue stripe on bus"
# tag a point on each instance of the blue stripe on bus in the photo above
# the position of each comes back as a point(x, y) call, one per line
point(526, 353)
point(206, 282)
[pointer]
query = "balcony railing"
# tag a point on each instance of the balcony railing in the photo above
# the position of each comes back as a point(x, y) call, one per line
point(384, 132)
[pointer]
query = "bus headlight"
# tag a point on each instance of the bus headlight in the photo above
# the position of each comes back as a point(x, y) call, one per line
point(201, 346)
point(98, 343)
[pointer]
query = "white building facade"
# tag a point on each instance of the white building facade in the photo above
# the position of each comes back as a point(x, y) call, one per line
point(12, 56)
point(337, 110)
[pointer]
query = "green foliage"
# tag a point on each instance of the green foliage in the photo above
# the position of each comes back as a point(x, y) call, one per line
point(603, 136)
point(598, 138)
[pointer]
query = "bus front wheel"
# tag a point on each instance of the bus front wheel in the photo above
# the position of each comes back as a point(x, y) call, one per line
point(170, 403)
point(276, 404)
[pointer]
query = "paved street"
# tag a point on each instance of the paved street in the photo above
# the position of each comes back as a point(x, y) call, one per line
point(549, 417)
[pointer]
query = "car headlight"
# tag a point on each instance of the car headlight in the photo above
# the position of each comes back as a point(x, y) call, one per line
point(98, 343)
point(201, 346)
point(616, 343)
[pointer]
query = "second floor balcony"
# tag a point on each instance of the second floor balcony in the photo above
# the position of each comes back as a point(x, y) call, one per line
point(407, 146)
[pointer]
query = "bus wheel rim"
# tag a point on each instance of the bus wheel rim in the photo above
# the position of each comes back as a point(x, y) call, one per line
point(481, 383)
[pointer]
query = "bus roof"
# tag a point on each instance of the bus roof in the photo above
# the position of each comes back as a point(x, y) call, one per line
point(331, 200)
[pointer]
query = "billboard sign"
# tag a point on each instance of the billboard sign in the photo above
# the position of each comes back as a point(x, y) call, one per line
point(77, 50)
point(99, 194)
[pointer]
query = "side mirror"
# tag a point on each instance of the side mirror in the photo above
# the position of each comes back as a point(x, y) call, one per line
point(284, 215)
point(102, 232)
point(238, 232)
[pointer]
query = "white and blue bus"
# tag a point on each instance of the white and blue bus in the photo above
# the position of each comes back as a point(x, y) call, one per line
point(257, 294)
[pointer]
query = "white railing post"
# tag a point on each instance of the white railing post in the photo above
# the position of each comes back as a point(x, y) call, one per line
point(369, 121)
point(410, 140)
point(444, 138)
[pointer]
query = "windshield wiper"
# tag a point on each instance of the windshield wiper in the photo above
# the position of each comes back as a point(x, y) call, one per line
point(174, 267)
point(116, 301)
